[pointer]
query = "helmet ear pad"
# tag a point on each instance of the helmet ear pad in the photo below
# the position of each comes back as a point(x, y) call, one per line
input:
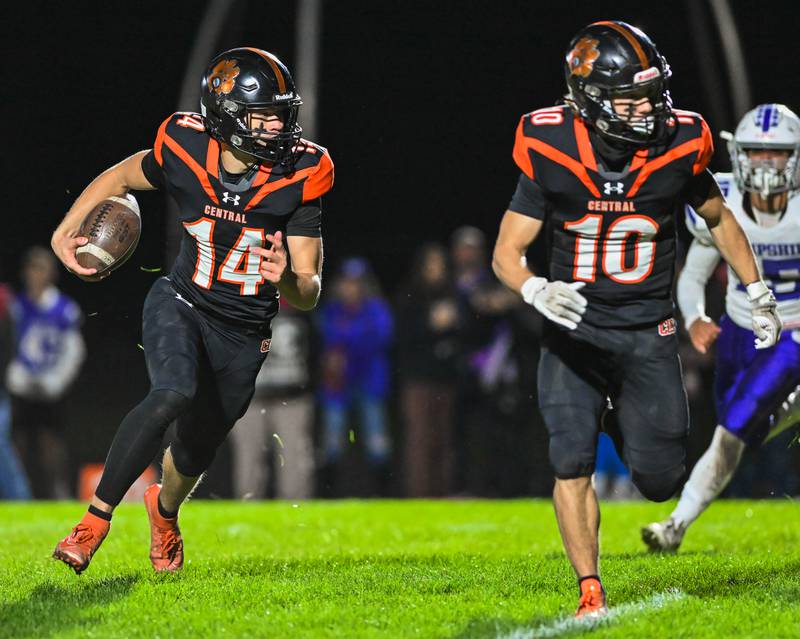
point(241, 82)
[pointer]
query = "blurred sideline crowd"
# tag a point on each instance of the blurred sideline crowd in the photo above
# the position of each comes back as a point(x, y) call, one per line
point(429, 392)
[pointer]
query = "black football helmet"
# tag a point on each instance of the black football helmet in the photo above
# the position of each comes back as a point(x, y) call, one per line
point(243, 81)
point(610, 60)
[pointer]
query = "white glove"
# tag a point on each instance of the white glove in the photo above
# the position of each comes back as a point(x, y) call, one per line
point(767, 323)
point(557, 301)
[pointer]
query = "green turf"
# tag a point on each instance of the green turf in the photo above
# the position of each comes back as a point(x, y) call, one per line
point(400, 569)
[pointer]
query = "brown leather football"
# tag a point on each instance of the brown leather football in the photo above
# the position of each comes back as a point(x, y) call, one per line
point(113, 228)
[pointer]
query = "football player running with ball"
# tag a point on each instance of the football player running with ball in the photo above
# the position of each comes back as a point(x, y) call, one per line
point(248, 191)
point(603, 175)
point(755, 390)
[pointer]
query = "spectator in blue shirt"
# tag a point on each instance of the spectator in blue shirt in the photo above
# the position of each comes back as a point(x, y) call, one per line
point(356, 330)
point(49, 354)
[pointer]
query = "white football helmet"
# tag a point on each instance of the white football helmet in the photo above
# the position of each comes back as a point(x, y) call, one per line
point(767, 127)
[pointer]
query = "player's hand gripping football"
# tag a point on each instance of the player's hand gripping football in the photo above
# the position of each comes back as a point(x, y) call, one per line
point(273, 259)
point(557, 301)
point(64, 246)
point(767, 323)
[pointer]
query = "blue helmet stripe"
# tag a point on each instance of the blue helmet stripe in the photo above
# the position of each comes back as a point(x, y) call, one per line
point(766, 118)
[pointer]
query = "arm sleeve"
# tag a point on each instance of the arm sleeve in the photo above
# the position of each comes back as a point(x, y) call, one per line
point(153, 171)
point(529, 199)
point(306, 220)
point(701, 260)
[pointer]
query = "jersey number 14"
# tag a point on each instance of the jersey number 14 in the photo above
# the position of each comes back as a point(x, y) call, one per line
point(587, 246)
point(240, 266)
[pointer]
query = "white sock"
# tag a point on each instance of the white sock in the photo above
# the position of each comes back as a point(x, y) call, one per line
point(709, 477)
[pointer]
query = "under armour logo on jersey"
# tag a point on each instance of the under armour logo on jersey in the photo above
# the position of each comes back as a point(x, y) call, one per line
point(613, 187)
point(227, 197)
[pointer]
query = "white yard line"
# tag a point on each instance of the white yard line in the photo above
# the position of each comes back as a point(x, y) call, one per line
point(617, 613)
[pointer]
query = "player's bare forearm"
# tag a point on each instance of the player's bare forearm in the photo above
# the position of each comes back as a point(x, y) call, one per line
point(116, 180)
point(517, 231)
point(730, 239)
point(301, 290)
point(301, 282)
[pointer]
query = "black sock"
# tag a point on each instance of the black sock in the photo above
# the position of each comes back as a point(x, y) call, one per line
point(164, 512)
point(100, 513)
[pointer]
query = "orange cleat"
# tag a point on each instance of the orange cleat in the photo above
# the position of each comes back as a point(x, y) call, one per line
point(593, 600)
point(166, 543)
point(77, 549)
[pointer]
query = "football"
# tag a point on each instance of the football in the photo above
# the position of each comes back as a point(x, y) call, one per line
point(113, 228)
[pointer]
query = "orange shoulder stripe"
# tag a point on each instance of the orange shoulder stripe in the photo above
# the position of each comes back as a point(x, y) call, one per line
point(271, 187)
point(584, 145)
point(520, 153)
point(321, 181)
point(564, 160)
point(654, 165)
point(264, 171)
point(706, 151)
point(198, 170)
point(639, 160)
point(212, 158)
point(162, 131)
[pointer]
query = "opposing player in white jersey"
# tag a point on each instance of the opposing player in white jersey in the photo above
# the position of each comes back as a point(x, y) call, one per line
point(756, 391)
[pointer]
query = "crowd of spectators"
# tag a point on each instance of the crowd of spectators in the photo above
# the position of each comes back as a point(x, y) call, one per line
point(426, 392)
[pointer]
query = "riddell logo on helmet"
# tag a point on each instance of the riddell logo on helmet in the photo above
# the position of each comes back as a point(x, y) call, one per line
point(581, 58)
point(283, 96)
point(647, 74)
point(223, 78)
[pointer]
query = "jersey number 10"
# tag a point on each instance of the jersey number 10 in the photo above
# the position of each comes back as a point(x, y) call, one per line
point(587, 229)
point(240, 266)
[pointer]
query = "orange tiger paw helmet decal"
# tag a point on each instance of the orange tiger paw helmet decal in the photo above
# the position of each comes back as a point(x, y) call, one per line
point(581, 58)
point(223, 77)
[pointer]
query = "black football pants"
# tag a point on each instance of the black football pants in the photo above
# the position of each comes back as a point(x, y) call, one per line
point(640, 372)
point(202, 376)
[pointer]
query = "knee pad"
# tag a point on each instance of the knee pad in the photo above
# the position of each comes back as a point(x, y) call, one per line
point(572, 455)
point(165, 406)
point(659, 486)
point(191, 460)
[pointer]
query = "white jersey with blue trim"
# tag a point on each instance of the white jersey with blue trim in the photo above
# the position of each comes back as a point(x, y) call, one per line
point(777, 250)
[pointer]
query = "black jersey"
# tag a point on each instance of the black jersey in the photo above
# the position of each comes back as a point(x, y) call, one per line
point(214, 269)
point(616, 231)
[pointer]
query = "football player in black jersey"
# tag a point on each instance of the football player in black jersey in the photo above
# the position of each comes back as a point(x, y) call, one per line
point(248, 191)
point(602, 175)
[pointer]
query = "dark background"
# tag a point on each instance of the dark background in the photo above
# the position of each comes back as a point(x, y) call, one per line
point(418, 104)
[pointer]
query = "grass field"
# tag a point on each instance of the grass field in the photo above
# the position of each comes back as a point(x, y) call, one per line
point(400, 569)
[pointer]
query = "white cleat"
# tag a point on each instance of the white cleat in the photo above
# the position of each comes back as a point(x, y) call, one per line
point(663, 536)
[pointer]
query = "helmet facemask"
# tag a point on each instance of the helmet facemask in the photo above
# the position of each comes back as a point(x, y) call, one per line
point(765, 176)
point(596, 105)
point(234, 127)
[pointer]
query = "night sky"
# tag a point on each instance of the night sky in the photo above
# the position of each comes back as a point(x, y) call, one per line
point(418, 106)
